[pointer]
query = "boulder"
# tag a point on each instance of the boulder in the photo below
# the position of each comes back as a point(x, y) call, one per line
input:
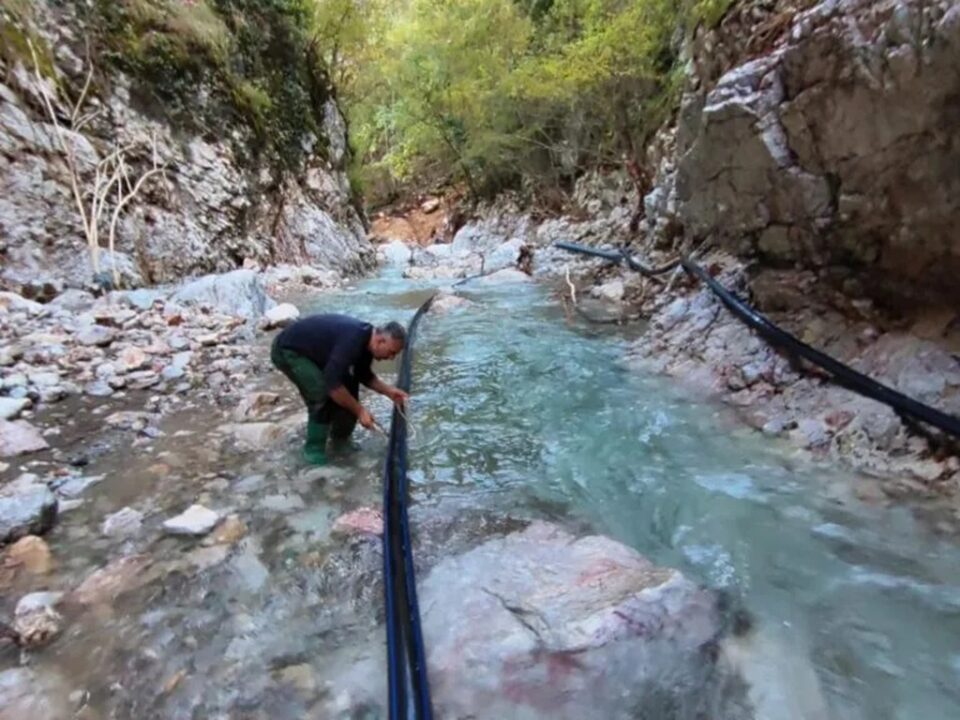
point(238, 293)
point(542, 624)
point(132, 358)
point(26, 508)
point(279, 316)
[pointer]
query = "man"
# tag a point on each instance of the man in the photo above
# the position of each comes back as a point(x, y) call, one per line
point(327, 357)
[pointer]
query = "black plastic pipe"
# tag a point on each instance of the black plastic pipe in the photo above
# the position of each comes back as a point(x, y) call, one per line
point(408, 683)
point(777, 336)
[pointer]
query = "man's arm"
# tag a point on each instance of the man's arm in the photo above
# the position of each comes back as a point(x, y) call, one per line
point(398, 396)
point(342, 397)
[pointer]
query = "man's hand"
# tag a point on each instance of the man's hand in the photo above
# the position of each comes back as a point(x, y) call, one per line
point(366, 419)
point(399, 397)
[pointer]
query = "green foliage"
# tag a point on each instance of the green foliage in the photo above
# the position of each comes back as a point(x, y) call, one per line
point(508, 92)
point(211, 64)
point(710, 12)
point(16, 36)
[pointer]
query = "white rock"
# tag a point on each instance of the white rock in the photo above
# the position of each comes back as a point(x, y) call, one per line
point(36, 619)
point(279, 316)
point(10, 408)
point(503, 277)
point(195, 520)
point(611, 291)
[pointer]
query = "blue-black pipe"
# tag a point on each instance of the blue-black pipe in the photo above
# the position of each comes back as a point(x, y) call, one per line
point(841, 373)
point(408, 682)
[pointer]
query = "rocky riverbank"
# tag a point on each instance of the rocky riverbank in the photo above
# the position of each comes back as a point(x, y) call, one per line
point(795, 172)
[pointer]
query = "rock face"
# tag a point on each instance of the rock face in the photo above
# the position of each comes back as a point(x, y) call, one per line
point(831, 147)
point(208, 215)
point(541, 624)
point(26, 509)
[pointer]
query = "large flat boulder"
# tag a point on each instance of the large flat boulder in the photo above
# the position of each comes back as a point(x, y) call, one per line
point(239, 293)
point(542, 624)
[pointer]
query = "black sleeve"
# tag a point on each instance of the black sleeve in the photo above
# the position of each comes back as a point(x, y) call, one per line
point(343, 355)
point(365, 374)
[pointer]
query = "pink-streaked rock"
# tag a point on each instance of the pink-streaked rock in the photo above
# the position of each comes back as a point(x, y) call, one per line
point(363, 521)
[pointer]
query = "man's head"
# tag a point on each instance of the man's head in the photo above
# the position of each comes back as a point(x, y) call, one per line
point(386, 342)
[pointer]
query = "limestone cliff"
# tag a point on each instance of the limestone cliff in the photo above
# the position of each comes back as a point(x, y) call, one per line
point(211, 210)
point(824, 134)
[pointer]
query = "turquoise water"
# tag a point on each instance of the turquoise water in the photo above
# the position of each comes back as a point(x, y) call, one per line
point(857, 607)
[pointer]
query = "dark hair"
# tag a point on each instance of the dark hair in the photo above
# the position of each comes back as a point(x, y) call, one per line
point(395, 331)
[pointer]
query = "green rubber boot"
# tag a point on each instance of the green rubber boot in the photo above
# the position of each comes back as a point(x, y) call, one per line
point(315, 449)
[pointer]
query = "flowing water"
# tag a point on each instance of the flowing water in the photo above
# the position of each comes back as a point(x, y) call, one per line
point(518, 414)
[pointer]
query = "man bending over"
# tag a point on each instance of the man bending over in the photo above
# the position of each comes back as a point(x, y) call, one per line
point(327, 357)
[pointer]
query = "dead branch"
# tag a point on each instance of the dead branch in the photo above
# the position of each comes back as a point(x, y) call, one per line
point(92, 195)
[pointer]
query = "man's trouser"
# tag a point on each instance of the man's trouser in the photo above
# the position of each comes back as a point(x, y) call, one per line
point(308, 377)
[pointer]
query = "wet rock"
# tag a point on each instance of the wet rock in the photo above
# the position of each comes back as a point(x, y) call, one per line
point(255, 405)
point(19, 437)
point(230, 531)
point(445, 302)
point(255, 436)
point(568, 628)
point(395, 253)
point(282, 502)
point(300, 677)
point(26, 508)
point(10, 408)
point(74, 485)
point(363, 521)
point(505, 277)
point(96, 335)
point(196, 520)
point(238, 293)
point(36, 619)
point(30, 553)
point(123, 523)
point(109, 582)
point(31, 693)
point(279, 316)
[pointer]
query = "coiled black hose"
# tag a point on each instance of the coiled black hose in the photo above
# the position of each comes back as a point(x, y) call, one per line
point(408, 685)
point(777, 336)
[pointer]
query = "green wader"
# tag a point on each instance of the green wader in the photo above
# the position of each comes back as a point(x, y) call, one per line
point(324, 417)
